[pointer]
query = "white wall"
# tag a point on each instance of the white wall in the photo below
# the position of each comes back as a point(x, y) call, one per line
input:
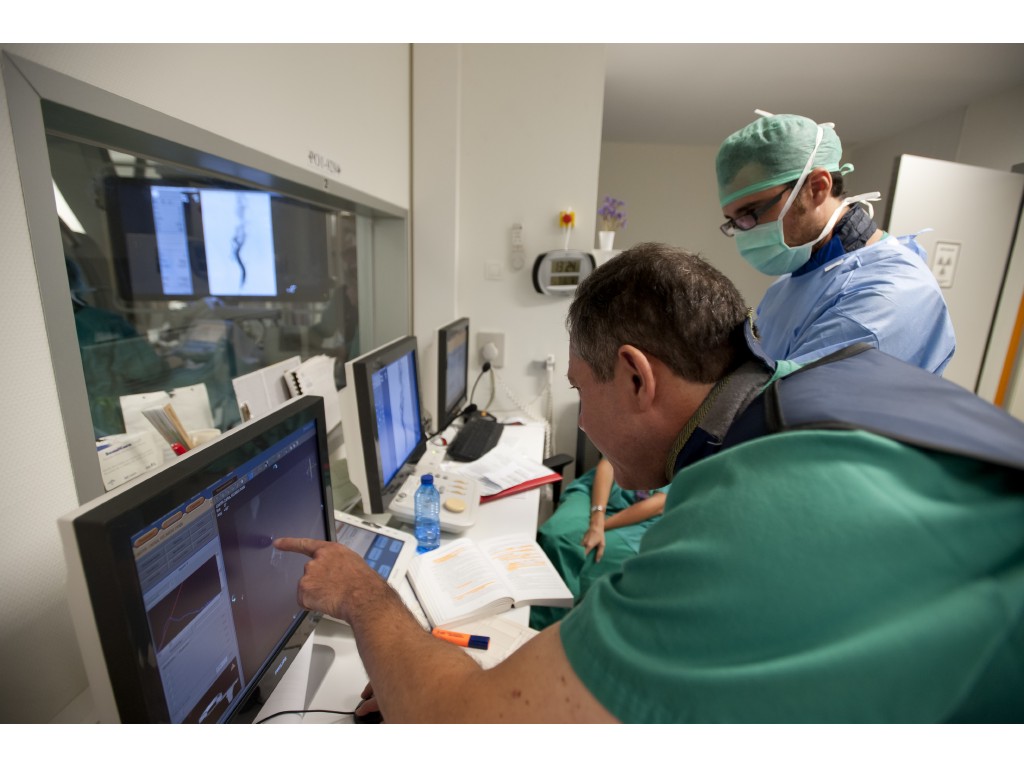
point(436, 115)
point(527, 145)
point(348, 102)
point(875, 164)
point(671, 196)
point(993, 132)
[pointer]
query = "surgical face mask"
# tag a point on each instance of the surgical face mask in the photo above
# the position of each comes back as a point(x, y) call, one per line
point(764, 247)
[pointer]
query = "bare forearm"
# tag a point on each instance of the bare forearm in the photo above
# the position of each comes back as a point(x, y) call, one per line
point(601, 488)
point(637, 513)
point(428, 680)
point(600, 492)
point(415, 676)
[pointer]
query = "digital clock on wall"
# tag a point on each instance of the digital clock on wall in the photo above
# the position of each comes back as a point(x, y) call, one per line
point(560, 272)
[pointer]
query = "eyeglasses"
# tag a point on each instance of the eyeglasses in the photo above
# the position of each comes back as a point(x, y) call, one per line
point(749, 220)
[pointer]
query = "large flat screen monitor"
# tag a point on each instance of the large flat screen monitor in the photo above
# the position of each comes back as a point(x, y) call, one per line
point(187, 240)
point(184, 611)
point(381, 420)
point(452, 370)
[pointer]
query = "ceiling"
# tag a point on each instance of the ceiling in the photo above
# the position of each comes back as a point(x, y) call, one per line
point(700, 93)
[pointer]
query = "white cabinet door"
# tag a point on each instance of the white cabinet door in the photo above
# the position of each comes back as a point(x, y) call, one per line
point(972, 214)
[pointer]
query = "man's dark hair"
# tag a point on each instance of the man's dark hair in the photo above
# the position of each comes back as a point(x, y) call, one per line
point(667, 302)
point(838, 185)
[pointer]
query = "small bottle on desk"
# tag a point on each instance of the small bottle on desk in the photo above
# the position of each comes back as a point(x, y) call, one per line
point(427, 506)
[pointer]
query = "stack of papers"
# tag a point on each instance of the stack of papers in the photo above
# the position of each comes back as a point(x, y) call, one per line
point(503, 471)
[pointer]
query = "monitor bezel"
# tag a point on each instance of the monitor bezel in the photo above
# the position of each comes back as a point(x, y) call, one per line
point(446, 415)
point(104, 589)
point(376, 495)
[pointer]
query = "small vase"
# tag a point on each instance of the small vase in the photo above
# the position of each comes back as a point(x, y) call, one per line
point(606, 239)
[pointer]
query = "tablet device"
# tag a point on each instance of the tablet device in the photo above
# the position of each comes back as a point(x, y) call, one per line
point(388, 551)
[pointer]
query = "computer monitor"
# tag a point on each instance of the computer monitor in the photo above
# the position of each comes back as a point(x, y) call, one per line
point(188, 240)
point(452, 370)
point(381, 420)
point(184, 611)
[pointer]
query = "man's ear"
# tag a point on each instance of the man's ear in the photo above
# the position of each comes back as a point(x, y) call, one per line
point(819, 185)
point(635, 366)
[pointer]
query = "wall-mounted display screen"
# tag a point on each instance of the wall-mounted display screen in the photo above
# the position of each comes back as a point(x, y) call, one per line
point(190, 241)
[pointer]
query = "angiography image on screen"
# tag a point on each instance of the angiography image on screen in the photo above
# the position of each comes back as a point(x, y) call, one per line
point(396, 399)
point(239, 239)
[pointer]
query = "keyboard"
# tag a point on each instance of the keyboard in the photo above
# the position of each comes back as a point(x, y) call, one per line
point(476, 438)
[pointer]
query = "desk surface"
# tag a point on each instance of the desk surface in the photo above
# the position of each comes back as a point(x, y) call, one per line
point(327, 672)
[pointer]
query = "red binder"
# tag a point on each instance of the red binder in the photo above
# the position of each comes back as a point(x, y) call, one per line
point(536, 482)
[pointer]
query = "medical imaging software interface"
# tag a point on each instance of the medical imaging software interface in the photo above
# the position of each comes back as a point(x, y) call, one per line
point(398, 413)
point(218, 595)
point(378, 550)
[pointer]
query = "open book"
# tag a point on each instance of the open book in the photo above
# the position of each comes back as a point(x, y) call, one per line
point(463, 579)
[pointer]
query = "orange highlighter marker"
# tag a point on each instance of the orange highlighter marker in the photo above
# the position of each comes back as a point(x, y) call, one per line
point(461, 638)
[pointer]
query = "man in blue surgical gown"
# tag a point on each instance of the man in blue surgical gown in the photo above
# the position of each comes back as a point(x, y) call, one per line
point(842, 280)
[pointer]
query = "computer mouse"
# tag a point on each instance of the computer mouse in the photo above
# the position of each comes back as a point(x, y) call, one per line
point(373, 717)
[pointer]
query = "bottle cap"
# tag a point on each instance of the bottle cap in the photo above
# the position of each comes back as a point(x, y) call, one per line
point(427, 479)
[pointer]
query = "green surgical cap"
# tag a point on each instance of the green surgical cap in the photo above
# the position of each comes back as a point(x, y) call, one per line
point(771, 151)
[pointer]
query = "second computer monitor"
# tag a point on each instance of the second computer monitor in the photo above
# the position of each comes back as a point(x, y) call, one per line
point(383, 431)
point(452, 370)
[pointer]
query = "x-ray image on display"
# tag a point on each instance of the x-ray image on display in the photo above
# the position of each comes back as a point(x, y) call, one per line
point(239, 240)
point(398, 414)
point(189, 241)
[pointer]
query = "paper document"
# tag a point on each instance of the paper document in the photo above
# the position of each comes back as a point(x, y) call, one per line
point(125, 457)
point(260, 392)
point(506, 638)
point(501, 469)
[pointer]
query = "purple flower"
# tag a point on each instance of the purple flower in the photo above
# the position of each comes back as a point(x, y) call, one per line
point(612, 214)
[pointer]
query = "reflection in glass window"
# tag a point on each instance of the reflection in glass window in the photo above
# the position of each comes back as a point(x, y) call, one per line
point(177, 278)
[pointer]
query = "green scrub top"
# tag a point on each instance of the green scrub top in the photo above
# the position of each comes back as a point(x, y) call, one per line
point(876, 583)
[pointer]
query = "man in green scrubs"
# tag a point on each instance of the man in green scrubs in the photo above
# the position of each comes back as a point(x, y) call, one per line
point(807, 571)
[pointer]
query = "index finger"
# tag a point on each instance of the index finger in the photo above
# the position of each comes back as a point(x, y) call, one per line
point(307, 547)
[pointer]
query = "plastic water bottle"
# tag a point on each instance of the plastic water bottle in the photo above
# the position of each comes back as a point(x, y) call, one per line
point(427, 503)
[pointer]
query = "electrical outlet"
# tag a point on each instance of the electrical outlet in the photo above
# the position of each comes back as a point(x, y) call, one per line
point(495, 356)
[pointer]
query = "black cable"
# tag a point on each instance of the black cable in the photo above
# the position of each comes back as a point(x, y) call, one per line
point(470, 408)
point(486, 367)
point(303, 712)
